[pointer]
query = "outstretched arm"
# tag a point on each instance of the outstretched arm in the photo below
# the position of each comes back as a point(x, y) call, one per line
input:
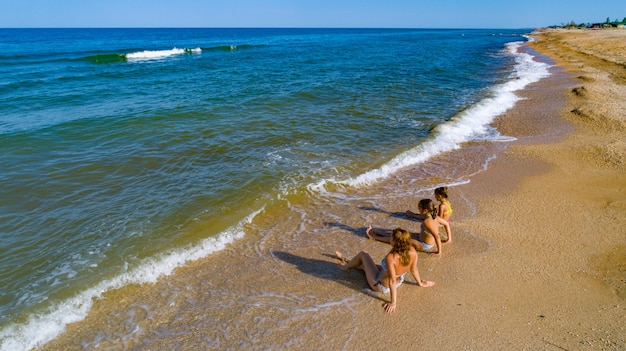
point(438, 242)
point(390, 307)
point(418, 216)
point(433, 228)
point(416, 275)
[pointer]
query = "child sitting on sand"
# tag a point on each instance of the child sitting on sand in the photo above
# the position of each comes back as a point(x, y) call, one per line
point(445, 208)
point(428, 237)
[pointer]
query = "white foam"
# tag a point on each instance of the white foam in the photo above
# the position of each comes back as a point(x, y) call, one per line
point(41, 328)
point(529, 38)
point(324, 306)
point(159, 54)
point(470, 124)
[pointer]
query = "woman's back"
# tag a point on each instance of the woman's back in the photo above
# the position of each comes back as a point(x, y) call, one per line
point(395, 259)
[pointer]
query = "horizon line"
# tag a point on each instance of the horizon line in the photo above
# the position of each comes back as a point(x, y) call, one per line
point(272, 27)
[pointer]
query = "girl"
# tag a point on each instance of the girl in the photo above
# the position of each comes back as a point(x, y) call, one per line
point(428, 237)
point(389, 275)
point(445, 208)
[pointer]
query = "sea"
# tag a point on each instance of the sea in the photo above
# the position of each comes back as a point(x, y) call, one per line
point(127, 154)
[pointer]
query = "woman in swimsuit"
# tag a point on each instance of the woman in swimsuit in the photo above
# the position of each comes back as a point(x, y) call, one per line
point(428, 237)
point(388, 276)
point(444, 210)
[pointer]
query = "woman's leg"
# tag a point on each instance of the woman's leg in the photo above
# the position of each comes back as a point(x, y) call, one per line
point(385, 236)
point(380, 235)
point(418, 245)
point(364, 262)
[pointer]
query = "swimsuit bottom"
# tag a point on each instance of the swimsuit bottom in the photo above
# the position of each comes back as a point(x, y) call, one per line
point(385, 289)
point(425, 246)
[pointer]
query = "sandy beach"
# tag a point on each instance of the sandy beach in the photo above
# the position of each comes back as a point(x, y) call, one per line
point(538, 260)
point(553, 207)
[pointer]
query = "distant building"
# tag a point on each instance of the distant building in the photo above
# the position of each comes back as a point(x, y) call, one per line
point(620, 25)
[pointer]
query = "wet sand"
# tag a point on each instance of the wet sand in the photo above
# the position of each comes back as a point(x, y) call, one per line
point(538, 260)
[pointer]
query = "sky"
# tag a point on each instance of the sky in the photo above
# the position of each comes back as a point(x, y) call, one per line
point(306, 13)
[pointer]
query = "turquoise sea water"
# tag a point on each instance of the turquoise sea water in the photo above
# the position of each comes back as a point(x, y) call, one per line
point(124, 149)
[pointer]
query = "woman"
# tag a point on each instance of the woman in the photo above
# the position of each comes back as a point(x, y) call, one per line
point(428, 237)
point(388, 276)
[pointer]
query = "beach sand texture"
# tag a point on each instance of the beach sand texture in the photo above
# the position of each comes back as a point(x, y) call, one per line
point(538, 260)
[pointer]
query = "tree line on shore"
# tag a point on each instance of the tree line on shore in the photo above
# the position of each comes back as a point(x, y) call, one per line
point(606, 24)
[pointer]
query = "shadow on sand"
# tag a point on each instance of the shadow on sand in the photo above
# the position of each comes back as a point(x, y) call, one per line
point(357, 231)
point(329, 271)
point(361, 230)
point(399, 215)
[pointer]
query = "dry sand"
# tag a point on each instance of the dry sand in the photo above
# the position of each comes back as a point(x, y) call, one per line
point(553, 208)
point(538, 260)
point(555, 213)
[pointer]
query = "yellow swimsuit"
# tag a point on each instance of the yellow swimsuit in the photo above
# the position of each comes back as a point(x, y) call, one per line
point(449, 210)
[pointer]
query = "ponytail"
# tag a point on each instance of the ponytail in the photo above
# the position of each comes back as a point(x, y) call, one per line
point(429, 206)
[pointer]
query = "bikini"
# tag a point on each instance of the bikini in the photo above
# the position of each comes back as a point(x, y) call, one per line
point(424, 245)
point(449, 210)
point(385, 289)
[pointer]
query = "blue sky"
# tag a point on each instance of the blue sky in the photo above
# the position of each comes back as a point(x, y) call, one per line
point(307, 13)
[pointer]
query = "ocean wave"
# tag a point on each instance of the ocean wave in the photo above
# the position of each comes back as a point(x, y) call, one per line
point(44, 327)
point(106, 58)
point(145, 55)
point(159, 54)
point(470, 124)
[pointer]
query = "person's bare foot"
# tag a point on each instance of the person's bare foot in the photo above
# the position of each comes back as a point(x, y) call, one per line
point(341, 257)
point(367, 232)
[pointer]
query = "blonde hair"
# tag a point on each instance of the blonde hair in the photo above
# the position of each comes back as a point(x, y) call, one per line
point(401, 245)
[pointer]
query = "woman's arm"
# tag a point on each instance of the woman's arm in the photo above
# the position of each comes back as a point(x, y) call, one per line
point(433, 227)
point(438, 242)
point(411, 214)
point(416, 275)
point(441, 210)
point(390, 307)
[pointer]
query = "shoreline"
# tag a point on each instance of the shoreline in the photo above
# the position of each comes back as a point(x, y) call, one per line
point(537, 261)
point(555, 210)
point(539, 256)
